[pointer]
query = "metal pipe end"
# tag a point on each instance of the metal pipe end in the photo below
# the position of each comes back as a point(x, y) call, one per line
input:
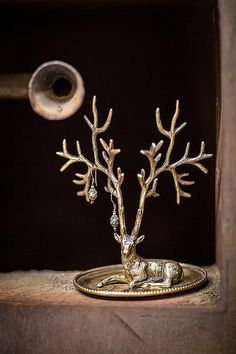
point(56, 90)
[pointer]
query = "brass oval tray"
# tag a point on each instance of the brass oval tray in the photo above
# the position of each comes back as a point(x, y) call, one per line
point(87, 282)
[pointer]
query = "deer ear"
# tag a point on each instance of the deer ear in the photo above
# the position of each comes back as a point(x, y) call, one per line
point(117, 237)
point(140, 239)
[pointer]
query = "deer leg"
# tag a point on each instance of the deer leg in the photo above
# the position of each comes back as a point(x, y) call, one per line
point(134, 282)
point(118, 278)
point(137, 281)
point(166, 283)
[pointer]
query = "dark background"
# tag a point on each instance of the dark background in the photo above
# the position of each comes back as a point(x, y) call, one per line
point(134, 58)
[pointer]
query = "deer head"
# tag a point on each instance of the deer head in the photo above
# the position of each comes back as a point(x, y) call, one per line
point(128, 242)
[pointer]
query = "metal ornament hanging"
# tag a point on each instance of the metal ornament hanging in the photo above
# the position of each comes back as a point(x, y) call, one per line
point(114, 220)
point(92, 193)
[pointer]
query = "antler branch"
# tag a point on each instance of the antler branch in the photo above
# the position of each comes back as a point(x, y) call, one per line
point(84, 178)
point(185, 160)
point(113, 182)
point(148, 186)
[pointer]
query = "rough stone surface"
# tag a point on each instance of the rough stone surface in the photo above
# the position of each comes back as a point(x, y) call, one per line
point(42, 312)
point(51, 287)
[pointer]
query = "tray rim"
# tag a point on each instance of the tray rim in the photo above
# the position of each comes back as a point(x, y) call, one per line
point(144, 293)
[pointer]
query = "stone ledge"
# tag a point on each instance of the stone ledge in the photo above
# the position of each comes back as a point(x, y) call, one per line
point(56, 287)
point(42, 313)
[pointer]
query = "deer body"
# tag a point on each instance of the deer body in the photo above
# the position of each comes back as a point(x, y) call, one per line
point(143, 272)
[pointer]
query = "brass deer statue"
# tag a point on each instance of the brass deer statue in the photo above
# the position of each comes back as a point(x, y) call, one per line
point(138, 272)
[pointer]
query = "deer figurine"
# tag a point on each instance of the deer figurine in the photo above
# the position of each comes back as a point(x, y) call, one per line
point(143, 272)
point(138, 272)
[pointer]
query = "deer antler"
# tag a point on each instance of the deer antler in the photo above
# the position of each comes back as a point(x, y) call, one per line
point(113, 182)
point(84, 178)
point(149, 184)
point(184, 161)
point(109, 156)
